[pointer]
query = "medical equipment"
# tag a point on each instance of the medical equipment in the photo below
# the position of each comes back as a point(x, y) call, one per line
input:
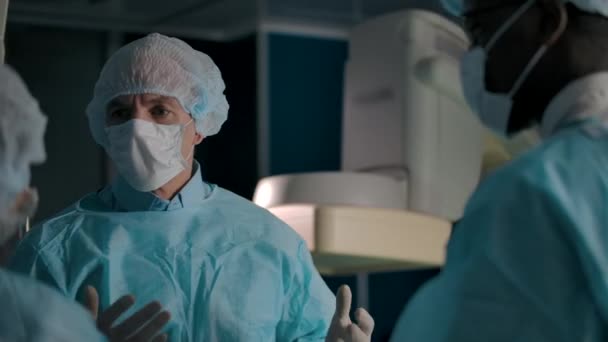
point(411, 154)
point(497, 150)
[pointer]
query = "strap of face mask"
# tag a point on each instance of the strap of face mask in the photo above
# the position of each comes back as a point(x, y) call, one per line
point(507, 25)
point(190, 154)
point(524, 75)
point(535, 59)
point(183, 131)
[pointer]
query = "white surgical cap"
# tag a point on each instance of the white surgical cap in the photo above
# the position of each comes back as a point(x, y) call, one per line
point(22, 126)
point(166, 66)
point(456, 7)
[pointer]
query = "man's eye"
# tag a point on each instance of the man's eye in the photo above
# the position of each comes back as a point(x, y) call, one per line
point(161, 112)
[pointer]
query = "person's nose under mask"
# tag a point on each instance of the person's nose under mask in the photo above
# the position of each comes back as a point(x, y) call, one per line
point(147, 155)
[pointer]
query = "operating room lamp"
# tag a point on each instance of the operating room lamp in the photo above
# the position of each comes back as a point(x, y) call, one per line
point(411, 153)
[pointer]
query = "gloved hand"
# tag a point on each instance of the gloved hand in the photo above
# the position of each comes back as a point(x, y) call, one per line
point(342, 329)
point(144, 325)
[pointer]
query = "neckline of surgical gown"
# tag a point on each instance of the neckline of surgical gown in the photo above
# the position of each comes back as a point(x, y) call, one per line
point(120, 196)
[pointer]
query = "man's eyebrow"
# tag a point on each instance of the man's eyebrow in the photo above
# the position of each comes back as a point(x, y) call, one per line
point(163, 99)
point(152, 100)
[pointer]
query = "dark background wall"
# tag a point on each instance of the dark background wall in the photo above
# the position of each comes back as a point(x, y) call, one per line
point(305, 76)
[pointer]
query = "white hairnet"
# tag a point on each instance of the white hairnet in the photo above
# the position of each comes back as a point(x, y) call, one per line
point(22, 127)
point(166, 66)
point(456, 7)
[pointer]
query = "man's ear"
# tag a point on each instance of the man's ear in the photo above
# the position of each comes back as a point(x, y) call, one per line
point(198, 138)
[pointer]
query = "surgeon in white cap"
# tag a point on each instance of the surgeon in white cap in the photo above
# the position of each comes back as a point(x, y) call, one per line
point(226, 269)
point(29, 310)
point(528, 261)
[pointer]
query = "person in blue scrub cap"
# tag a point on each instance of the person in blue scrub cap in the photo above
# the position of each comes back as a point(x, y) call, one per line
point(529, 259)
point(226, 269)
point(30, 310)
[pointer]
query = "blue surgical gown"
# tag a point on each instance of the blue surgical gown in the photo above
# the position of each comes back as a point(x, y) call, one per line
point(226, 269)
point(31, 311)
point(529, 259)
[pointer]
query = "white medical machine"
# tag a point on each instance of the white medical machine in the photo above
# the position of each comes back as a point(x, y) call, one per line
point(411, 153)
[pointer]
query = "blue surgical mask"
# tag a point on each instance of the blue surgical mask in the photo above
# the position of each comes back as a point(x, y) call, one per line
point(493, 109)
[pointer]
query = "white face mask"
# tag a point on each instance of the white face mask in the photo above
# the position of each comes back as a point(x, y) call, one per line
point(146, 154)
point(493, 109)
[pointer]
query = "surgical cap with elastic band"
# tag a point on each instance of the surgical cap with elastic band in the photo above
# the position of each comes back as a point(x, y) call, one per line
point(166, 66)
point(456, 7)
